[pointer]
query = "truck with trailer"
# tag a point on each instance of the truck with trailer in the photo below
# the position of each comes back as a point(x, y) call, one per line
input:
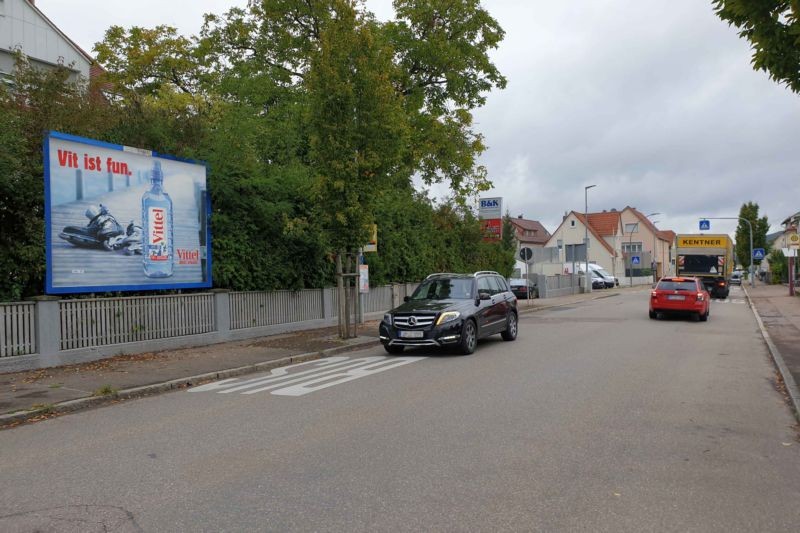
point(707, 257)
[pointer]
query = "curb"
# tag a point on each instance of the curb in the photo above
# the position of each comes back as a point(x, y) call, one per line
point(777, 359)
point(71, 406)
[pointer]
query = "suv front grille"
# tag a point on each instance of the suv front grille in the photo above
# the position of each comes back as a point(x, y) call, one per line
point(413, 321)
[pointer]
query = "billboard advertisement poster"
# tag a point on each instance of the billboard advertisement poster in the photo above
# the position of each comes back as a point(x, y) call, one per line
point(492, 229)
point(123, 219)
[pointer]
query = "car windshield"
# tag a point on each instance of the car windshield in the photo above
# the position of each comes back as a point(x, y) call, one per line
point(669, 285)
point(603, 273)
point(444, 289)
point(516, 282)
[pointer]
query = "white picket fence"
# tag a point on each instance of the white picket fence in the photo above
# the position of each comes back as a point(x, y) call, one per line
point(17, 329)
point(102, 321)
point(96, 322)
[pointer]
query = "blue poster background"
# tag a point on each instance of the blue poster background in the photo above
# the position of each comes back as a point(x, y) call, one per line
point(81, 175)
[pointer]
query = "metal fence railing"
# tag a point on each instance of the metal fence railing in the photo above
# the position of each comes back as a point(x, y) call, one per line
point(17, 329)
point(378, 299)
point(98, 322)
point(102, 321)
point(254, 309)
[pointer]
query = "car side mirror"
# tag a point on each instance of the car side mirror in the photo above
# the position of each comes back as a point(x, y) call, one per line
point(484, 295)
point(406, 298)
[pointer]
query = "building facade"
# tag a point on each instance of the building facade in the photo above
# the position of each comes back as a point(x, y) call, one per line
point(25, 29)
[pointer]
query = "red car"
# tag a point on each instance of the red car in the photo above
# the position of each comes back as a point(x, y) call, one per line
point(680, 296)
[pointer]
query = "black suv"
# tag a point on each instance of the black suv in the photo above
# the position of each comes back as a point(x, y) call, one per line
point(453, 310)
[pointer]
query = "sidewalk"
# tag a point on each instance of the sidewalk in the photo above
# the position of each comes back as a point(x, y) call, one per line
point(780, 315)
point(38, 394)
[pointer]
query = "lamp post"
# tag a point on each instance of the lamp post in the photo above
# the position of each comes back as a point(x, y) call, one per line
point(631, 229)
point(653, 259)
point(586, 235)
point(750, 225)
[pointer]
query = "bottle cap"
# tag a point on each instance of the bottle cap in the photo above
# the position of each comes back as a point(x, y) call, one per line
point(157, 175)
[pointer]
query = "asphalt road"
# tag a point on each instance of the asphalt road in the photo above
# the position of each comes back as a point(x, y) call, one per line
point(597, 418)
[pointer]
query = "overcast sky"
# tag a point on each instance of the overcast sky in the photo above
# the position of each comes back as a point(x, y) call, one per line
point(654, 102)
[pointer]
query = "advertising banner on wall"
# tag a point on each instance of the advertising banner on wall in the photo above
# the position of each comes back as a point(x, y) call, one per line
point(123, 219)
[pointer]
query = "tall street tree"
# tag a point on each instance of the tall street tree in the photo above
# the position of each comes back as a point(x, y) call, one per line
point(749, 211)
point(773, 29)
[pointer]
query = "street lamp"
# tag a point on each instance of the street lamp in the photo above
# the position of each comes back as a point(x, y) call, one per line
point(752, 280)
point(631, 229)
point(653, 259)
point(586, 234)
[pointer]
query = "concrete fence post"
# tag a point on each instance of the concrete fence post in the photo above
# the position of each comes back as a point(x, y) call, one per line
point(222, 313)
point(327, 303)
point(48, 329)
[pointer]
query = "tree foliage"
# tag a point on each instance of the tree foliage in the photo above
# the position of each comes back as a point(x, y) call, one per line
point(313, 118)
point(749, 211)
point(773, 29)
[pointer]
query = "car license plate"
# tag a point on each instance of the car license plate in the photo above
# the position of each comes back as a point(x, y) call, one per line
point(676, 297)
point(410, 334)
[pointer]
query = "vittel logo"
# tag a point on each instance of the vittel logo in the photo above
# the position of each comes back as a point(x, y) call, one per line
point(158, 226)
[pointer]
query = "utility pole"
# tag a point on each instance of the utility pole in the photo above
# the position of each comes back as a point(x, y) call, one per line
point(586, 235)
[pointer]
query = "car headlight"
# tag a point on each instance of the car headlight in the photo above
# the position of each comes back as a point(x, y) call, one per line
point(387, 318)
point(448, 316)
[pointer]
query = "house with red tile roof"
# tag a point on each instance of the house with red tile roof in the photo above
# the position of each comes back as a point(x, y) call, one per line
point(602, 230)
point(611, 239)
point(658, 244)
point(529, 233)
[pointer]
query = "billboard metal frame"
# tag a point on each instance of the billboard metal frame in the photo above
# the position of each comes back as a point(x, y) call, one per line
point(49, 288)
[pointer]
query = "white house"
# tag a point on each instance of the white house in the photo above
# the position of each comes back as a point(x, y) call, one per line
point(24, 28)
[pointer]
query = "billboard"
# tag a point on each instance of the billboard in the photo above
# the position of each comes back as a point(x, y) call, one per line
point(123, 219)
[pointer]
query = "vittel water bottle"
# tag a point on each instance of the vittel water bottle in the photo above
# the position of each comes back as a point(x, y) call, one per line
point(157, 246)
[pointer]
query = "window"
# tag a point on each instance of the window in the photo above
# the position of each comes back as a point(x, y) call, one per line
point(631, 247)
point(572, 223)
point(670, 285)
point(497, 284)
point(483, 286)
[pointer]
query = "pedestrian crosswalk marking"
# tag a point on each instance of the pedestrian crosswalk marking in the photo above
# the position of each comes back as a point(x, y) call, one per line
point(308, 377)
point(729, 300)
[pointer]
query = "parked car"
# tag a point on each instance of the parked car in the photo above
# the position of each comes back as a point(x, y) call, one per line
point(598, 281)
point(736, 278)
point(596, 270)
point(523, 289)
point(610, 280)
point(679, 295)
point(452, 310)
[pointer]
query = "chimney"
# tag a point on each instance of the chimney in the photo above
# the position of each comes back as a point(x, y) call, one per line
point(519, 216)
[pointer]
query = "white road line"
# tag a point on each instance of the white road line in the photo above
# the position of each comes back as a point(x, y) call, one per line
point(343, 377)
point(322, 374)
point(292, 379)
point(282, 371)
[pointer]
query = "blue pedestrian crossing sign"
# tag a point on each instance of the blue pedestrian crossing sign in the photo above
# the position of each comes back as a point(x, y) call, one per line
point(705, 225)
point(758, 253)
point(635, 260)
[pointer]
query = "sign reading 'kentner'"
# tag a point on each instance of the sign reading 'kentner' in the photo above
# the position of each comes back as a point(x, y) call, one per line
point(702, 242)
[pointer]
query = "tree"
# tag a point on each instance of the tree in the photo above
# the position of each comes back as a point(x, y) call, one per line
point(773, 29)
point(749, 211)
point(357, 129)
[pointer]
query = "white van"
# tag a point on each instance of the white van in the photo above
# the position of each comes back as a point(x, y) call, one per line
point(596, 270)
